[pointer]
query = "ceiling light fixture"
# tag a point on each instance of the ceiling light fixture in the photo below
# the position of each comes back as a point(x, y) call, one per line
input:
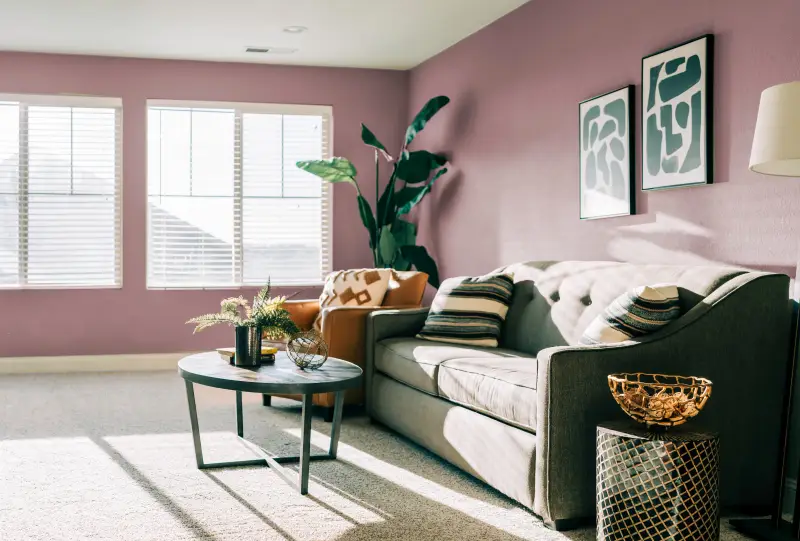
point(271, 50)
point(295, 29)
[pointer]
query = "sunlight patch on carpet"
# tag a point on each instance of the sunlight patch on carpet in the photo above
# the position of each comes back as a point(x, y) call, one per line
point(69, 488)
point(512, 520)
point(254, 499)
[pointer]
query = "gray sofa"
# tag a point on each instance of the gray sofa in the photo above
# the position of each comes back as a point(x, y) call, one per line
point(522, 417)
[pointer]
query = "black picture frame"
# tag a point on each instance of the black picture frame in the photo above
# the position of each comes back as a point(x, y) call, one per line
point(707, 115)
point(630, 167)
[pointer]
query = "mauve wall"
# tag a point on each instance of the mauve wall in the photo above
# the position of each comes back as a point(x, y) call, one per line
point(133, 319)
point(512, 133)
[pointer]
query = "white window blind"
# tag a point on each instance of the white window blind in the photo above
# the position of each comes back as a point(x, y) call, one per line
point(227, 205)
point(60, 191)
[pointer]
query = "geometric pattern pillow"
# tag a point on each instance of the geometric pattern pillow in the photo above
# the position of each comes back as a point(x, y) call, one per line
point(469, 310)
point(640, 311)
point(361, 287)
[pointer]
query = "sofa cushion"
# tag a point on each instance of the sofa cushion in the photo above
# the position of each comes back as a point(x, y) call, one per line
point(469, 311)
point(502, 388)
point(361, 287)
point(637, 312)
point(415, 362)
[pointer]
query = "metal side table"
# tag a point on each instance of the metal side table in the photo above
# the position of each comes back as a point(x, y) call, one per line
point(656, 485)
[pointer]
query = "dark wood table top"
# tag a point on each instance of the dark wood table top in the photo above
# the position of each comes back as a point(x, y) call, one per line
point(282, 377)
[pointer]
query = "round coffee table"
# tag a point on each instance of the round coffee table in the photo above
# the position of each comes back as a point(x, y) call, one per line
point(282, 377)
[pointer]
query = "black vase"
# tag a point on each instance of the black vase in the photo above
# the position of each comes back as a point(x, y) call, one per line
point(248, 347)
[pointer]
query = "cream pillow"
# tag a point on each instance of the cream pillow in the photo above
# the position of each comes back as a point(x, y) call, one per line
point(362, 287)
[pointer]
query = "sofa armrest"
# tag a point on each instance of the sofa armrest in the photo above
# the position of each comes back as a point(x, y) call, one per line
point(390, 323)
point(738, 337)
point(573, 397)
point(344, 330)
point(303, 312)
point(387, 323)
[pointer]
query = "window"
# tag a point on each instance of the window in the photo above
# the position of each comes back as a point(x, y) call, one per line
point(227, 207)
point(60, 191)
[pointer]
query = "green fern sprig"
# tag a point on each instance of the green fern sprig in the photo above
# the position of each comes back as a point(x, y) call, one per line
point(266, 312)
point(261, 298)
point(209, 320)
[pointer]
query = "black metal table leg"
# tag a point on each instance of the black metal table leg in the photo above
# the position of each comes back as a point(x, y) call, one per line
point(239, 418)
point(300, 480)
point(305, 442)
point(198, 448)
point(337, 423)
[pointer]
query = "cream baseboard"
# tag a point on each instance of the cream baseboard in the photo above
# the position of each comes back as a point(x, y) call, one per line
point(90, 363)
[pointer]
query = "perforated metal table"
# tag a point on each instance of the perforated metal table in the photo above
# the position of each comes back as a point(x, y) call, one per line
point(656, 485)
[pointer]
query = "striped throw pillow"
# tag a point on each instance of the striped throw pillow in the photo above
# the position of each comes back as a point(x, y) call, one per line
point(469, 310)
point(637, 312)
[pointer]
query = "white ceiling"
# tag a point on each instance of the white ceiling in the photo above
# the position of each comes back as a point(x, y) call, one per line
point(396, 34)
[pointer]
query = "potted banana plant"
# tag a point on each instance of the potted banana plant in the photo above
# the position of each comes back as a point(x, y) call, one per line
point(392, 238)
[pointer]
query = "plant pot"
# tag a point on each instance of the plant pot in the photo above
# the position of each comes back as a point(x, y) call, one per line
point(248, 347)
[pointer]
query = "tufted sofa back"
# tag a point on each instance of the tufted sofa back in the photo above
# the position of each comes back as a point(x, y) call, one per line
point(554, 301)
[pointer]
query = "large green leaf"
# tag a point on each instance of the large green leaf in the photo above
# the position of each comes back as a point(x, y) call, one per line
point(415, 167)
point(387, 247)
point(386, 204)
point(410, 196)
point(369, 139)
point(401, 263)
point(418, 256)
point(426, 113)
point(407, 194)
point(333, 170)
point(368, 219)
point(405, 233)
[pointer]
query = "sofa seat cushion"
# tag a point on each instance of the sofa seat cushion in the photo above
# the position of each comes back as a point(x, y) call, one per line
point(501, 388)
point(415, 362)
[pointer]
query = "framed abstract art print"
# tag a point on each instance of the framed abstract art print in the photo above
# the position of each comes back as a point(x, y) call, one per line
point(606, 155)
point(677, 116)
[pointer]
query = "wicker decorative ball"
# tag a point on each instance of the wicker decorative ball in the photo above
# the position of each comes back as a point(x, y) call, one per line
point(660, 400)
point(307, 350)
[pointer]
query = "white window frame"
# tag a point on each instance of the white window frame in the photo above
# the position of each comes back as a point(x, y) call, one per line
point(325, 111)
point(67, 100)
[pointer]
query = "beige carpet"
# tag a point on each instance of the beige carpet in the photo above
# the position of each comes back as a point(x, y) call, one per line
point(109, 456)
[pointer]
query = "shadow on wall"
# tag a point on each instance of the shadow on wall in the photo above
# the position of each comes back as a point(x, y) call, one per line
point(461, 120)
point(668, 240)
point(663, 240)
point(456, 124)
point(440, 201)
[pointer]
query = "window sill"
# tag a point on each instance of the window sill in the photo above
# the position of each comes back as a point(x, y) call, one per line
point(234, 287)
point(57, 287)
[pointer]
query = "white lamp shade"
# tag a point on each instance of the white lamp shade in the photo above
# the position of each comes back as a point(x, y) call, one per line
point(776, 144)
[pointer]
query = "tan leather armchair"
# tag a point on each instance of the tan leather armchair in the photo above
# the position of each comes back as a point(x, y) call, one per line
point(343, 328)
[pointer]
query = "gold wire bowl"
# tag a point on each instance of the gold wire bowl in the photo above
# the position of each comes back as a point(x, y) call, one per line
point(658, 399)
point(307, 350)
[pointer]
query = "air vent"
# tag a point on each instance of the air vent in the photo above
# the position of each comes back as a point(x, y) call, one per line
point(270, 50)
